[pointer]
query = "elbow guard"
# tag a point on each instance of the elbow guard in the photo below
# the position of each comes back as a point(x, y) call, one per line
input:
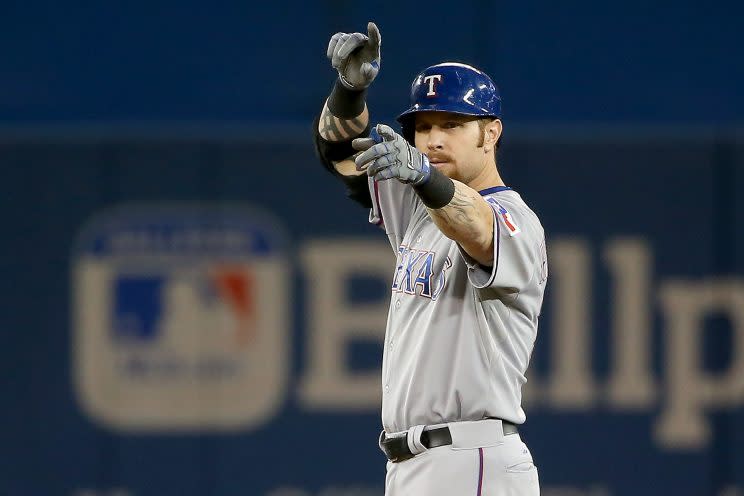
point(329, 152)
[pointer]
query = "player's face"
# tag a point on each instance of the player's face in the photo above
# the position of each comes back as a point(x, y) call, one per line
point(453, 143)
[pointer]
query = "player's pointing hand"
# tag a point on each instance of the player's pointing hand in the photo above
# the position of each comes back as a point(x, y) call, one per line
point(386, 155)
point(356, 56)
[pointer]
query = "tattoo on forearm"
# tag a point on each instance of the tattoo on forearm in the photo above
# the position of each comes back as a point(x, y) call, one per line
point(460, 211)
point(460, 217)
point(467, 219)
point(332, 128)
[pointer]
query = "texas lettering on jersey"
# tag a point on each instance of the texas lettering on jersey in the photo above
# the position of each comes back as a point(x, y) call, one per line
point(414, 273)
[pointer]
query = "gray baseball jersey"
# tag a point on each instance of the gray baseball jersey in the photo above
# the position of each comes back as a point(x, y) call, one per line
point(459, 335)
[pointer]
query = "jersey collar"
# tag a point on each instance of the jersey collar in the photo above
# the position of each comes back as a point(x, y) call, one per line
point(495, 189)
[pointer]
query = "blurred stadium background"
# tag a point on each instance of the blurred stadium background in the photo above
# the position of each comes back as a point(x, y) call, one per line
point(191, 307)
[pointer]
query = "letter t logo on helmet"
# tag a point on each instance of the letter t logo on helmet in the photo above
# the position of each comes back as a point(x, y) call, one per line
point(430, 80)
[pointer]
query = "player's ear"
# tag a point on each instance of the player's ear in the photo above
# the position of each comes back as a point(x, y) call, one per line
point(491, 135)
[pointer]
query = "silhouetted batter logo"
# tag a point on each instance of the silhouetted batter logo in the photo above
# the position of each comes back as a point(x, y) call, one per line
point(180, 318)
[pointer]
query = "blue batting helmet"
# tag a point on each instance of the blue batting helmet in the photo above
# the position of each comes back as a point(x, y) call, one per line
point(453, 87)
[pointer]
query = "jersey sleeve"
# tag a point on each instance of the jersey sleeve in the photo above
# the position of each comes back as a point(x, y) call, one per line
point(393, 204)
point(518, 250)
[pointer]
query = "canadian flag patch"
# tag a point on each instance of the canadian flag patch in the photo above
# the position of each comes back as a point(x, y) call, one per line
point(511, 227)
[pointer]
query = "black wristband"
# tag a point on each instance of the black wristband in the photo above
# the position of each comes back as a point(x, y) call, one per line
point(437, 191)
point(345, 103)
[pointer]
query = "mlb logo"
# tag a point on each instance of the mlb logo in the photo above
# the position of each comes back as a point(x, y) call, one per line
point(156, 308)
point(180, 320)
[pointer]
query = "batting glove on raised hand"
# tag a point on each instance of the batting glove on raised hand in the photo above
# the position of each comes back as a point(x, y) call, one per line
point(388, 155)
point(356, 57)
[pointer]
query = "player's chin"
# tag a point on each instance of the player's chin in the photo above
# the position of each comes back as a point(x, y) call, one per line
point(446, 168)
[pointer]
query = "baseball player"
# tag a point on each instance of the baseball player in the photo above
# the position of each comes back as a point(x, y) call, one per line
point(469, 279)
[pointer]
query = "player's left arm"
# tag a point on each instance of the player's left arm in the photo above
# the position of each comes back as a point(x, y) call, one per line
point(467, 219)
point(458, 210)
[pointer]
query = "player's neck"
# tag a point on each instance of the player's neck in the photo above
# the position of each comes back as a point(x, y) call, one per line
point(489, 177)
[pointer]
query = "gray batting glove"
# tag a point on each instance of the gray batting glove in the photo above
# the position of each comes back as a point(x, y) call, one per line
point(386, 155)
point(356, 57)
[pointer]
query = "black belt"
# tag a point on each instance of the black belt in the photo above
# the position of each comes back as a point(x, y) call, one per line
point(396, 448)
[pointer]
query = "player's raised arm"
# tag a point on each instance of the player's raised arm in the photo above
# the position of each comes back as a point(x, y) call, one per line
point(356, 57)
